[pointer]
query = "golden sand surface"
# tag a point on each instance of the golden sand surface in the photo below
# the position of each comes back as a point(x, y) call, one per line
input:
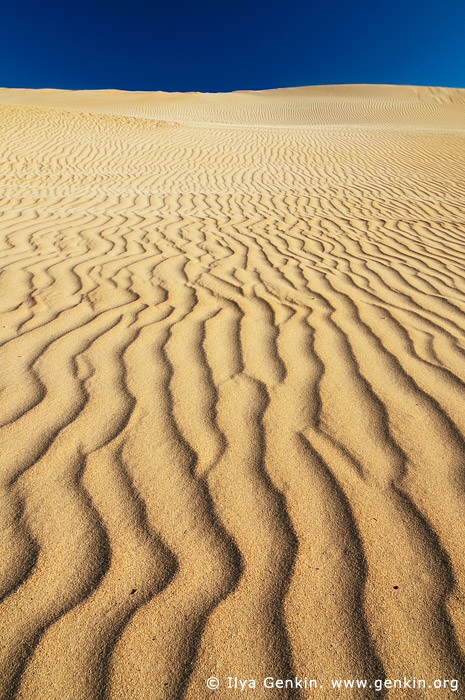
point(232, 405)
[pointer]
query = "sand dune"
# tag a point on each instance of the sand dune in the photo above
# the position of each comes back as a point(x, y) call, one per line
point(387, 105)
point(232, 412)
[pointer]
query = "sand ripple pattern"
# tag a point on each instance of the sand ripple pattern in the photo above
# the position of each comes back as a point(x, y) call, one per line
point(232, 397)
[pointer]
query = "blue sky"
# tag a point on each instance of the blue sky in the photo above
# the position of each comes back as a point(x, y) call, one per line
point(220, 46)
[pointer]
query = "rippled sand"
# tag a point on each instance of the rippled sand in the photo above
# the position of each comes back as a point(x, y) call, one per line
point(232, 366)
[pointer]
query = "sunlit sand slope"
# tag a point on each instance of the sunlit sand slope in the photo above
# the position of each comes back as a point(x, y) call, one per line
point(232, 366)
point(387, 105)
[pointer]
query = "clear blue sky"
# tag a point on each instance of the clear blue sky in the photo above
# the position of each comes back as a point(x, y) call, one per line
point(219, 45)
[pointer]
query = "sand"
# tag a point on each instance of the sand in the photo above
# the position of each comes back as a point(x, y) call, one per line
point(232, 366)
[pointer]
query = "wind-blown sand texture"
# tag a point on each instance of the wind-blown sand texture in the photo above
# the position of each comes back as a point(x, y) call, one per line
point(232, 409)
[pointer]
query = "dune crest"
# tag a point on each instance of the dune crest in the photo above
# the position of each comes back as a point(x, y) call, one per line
point(232, 347)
